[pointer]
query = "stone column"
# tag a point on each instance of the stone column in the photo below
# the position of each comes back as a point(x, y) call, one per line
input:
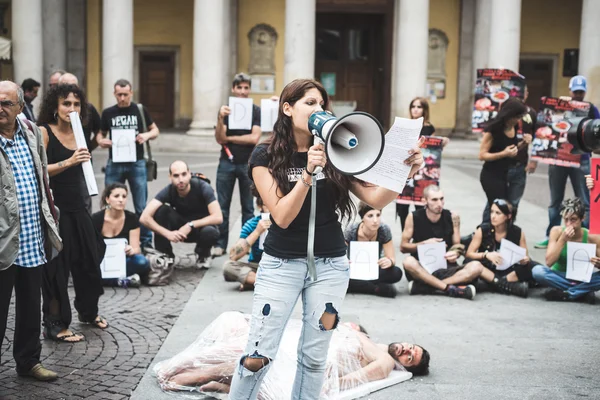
point(589, 49)
point(505, 42)
point(76, 39)
point(466, 72)
point(210, 68)
point(27, 50)
point(411, 36)
point(117, 46)
point(300, 31)
point(54, 37)
point(481, 44)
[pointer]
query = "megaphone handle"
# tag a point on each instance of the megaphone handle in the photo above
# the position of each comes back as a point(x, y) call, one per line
point(318, 141)
point(310, 248)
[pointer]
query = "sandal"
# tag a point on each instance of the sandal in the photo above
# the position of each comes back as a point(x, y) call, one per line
point(97, 322)
point(54, 328)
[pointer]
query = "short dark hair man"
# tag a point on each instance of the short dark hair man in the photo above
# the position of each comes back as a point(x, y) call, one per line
point(434, 224)
point(54, 77)
point(186, 210)
point(126, 115)
point(28, 233)
point(30, 91)
point(240, 143)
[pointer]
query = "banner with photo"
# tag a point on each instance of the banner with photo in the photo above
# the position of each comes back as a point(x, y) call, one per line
point(550, 145)
point(492, 88)
point(429, 174)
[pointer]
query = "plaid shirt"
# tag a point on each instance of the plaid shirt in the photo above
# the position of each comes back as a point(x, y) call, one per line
point(31, 237)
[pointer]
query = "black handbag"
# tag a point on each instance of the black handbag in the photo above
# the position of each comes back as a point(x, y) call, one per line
point(151, 165)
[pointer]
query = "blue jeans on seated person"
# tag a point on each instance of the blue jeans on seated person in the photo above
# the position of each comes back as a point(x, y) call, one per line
point(556, 279)
point(136, 264)
point(279, 284)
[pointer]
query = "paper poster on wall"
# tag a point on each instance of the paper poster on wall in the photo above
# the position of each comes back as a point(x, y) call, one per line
point(363, 260)
point(511, 254)
point(268, 114)
point(432, 256)
point(579, 264)
point(241, 113)
point(492, 88)
point(429, 174)
point(114, 264)
point(550, 144)
point(123, 145)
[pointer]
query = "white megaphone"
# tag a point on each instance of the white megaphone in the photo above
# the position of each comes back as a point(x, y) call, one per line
point(353, 143)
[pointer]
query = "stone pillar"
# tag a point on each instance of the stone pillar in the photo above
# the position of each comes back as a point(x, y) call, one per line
point(505, 42)
point(411, 36)
point(54, 37)
point(481, 44)
point(300, 31)
point(210, 68)
point(466, 72)
point(589, 49)
point(76, 39)
point(117, 46)
point(27, 45)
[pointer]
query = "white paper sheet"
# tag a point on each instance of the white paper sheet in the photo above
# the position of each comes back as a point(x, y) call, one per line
point(579, 266)
point(114, 264)
point(363, 260)
point(390, 171)
point(123, 145)
point(263, 236)
point(241, 113)
point(431, 256)
point(88, 170)
point(393, 378)
point(511, 254)
point(268, 114)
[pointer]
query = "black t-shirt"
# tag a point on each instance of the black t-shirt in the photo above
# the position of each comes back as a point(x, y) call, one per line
point(427, 130)
point(125, 118)
point(425, 229)
point(292, 242)
point(500, 142)
point(194, 205)
point(241, 153)
point(527, 124)
point(131, 223)
point(93, 125)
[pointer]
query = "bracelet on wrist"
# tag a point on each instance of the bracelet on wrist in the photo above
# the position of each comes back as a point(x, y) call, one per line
point(304, 180)
point(309, 174)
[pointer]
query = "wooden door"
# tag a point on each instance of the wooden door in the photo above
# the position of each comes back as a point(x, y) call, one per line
point(538, 74)
point(349, 55)
point(157, 86)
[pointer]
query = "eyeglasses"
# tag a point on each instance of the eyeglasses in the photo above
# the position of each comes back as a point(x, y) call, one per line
point(500, 202)
point(7, 103)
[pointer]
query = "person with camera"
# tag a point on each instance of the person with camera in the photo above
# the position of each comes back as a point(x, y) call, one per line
point(245, 272)
point(126, 115)
point(187, 211)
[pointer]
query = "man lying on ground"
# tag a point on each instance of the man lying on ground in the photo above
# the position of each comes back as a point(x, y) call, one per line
point(353, 359)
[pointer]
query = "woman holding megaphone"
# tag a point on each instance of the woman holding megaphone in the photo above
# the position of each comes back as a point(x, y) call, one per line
point(282, 170)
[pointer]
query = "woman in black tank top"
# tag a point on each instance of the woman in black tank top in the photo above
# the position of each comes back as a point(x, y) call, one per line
point(485, 251)
point(498, 150)
point(83, 247)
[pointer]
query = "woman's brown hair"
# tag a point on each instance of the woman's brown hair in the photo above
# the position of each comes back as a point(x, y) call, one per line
point(424, 104)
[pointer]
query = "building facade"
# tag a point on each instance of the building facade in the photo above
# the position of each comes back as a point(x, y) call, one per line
point(372, 55)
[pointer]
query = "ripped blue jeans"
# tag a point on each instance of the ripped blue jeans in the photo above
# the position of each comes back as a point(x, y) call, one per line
point(279, 284)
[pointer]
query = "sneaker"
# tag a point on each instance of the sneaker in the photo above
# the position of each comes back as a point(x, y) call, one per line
point(135, 281)
point(418, 287)
point(555, 295)
point(520, 289)
point(463, 292)
point(217, 252)
point(40, 373)
point(203, 263)
point(588, 298)
point(385, 290)
point(541, 245)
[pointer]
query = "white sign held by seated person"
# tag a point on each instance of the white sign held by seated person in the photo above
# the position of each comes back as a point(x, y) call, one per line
point(579, 261)
point(114, 264)
point(511, 254)
point(432, 256)
point(363, 260)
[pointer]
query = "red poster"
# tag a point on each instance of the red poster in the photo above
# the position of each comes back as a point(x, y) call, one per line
point(595, 197)
point(429, 174)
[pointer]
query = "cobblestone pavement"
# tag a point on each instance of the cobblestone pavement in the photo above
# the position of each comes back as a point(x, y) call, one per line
point(108, 364)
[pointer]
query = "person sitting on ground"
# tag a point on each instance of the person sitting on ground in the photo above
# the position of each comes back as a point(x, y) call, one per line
point(208, 364)
point(245, 272)
point(187, 211)
point(434, 224)
point(368, 230)
point(114, 222)
point(561, 288)
point(485, 246)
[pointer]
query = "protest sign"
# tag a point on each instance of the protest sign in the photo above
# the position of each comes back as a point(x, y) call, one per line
point(579, 264)
point(428, 175)
point(511, 254)
point(241, 113)
point(492, 88)
point(363, 260)
point(432, 256)
point(114, 264)
point(550, 144)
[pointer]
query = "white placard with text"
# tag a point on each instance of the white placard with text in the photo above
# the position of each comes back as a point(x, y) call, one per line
point(511, 254)
point(241, 113)
point(363, 260)
point(579, 261)
point(432, 256)
point(114, 264)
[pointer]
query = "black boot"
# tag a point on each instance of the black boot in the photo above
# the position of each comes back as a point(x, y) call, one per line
point(501, 285)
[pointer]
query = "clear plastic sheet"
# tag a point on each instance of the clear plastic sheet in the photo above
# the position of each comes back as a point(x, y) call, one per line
point(208, 364)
